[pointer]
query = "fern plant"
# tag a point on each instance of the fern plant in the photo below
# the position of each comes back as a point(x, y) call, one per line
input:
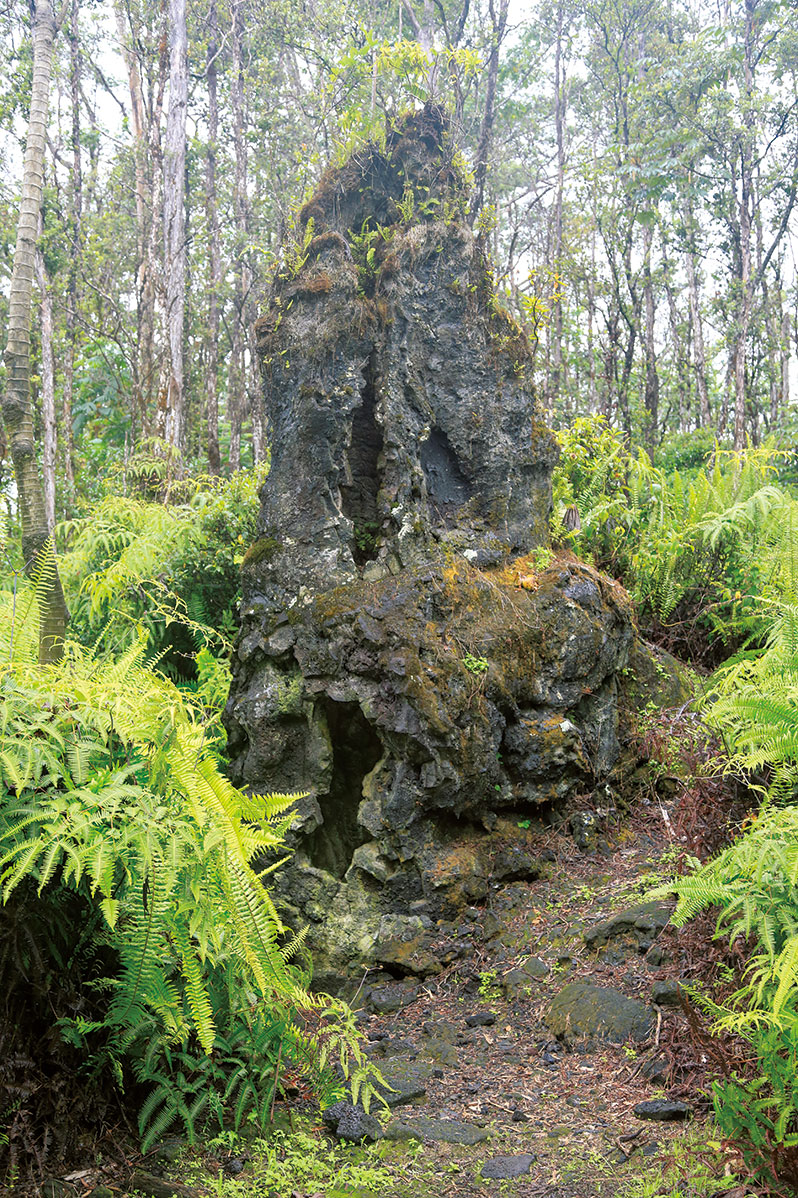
point(696, 550)
point(753, 885)
point(109, 788)
point(171, 569)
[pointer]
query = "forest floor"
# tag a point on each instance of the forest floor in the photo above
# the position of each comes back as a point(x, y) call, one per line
point(473, 1058)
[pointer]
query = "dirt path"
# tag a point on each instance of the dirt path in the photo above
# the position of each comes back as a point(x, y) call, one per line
point(476, 1044)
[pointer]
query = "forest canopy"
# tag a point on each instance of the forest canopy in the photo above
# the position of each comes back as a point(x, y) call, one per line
point(634, 175)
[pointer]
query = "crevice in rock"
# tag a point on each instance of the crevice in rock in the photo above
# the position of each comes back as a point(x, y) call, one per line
point(447, 487)
point(359, 493)
point(356, 750)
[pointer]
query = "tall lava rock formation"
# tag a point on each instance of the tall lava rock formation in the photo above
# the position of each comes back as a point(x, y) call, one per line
point(401, 658)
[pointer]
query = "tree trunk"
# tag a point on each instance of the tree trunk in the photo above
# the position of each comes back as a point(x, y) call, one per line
point(37, 547)
point(555, 329)
point(146, 126)
point(49, 435)
point(75, 216)
point(214, 256)
point(174, 218)
point(651, 393)
point(237, 388)
point(744, 223)
point(696, 321)
point(498, 28)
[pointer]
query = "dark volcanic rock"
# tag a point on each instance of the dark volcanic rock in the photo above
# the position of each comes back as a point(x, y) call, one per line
point(631, 930)
point(385, 1000)
point(662, 1110)
point(350, 1122)
point(406, 1081)
point(402, 658)
point(507, 1167)
point(667, 993)
point(585, 1012)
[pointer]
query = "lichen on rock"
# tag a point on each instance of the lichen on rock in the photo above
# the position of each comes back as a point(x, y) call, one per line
point(402, 659)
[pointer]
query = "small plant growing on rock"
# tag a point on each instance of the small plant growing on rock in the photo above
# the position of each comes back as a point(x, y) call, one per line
point(489, 986)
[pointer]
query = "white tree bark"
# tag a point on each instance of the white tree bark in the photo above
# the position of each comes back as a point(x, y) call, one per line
point(174, 216)
point(17, 416)
point(49, 434)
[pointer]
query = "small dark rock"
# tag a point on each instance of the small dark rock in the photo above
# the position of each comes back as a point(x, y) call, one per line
point(407, 1081)
point(54, 1187)
point(584, 829)
point(506, 1167)
point(667, 993)
point(643, 921)
point(515, 864)
point(491, 925)
point(519, 1116)
point(662, 1110)
point(657, 1071)
point(481, 1019)
point(350, 1122)
point(386, 1000)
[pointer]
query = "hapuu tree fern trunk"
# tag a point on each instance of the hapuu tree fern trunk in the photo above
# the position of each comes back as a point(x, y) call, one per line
point(37, 546)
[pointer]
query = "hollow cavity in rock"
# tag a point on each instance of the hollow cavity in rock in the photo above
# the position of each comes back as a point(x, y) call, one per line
point(356, 750)
point(447, 486)
point(359, 493)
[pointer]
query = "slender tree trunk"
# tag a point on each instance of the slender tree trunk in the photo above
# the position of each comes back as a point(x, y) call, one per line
point(696, 321)
point(556, 326)
point(146, 127)
point(498, 28)
point(49, 435)
point(745, 297)
point(174, 209)
point(75, 218)
point(784, 356)
point(37, 548)
point(237, 388)
point(651, 393)
point(680, 344)
point(214, 257)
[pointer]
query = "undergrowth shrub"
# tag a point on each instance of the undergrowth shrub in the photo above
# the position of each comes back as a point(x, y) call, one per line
point(111, 792)
point(171, 568)
point(696, 550)
point(752, 886)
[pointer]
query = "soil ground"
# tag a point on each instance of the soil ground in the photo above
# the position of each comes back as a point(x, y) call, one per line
point(572, 1109)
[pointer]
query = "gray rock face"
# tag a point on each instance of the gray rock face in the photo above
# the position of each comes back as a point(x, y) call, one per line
point(403, 657)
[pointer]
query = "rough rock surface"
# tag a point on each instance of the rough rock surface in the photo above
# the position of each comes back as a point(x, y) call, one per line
point(406, 657)
point(508, 1167)
point(349, 1121)
point(582, 1011)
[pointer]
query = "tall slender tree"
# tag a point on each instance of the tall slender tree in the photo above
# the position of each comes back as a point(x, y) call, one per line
point(174, 220)
point(37, 546)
